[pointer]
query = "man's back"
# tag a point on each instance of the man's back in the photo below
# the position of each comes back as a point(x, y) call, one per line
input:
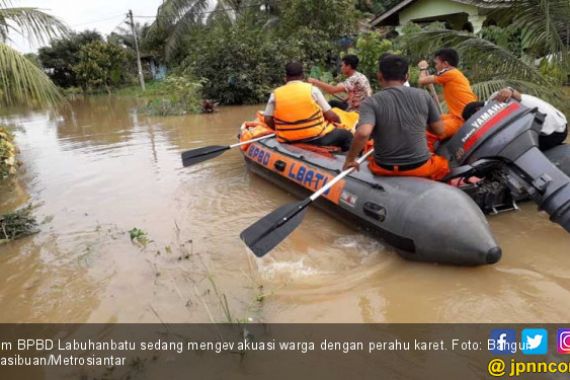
point(456, 90)
point(555, 120)
point(400, 116)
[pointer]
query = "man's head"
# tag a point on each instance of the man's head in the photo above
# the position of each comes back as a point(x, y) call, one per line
point(471, 109)
point(349, 64)
point(392, 68)
point(445, 58)
point(294, 71)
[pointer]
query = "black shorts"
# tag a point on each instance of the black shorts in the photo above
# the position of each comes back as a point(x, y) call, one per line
point(546, 142)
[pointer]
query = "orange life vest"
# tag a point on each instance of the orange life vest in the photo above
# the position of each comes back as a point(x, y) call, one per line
point(297, 115)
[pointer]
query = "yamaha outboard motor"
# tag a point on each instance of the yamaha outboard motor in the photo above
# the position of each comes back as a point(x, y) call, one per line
point(503, 138)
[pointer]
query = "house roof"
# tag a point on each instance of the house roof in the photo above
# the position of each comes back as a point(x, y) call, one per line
point(383, 16)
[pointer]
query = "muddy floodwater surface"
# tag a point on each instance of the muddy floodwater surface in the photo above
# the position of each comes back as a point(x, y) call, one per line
point(97, 170)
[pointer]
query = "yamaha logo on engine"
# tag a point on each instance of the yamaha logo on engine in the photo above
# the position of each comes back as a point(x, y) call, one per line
point(483, 118)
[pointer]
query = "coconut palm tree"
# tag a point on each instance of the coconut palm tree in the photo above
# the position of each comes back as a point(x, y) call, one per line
point(175, 18)
point(21, 81)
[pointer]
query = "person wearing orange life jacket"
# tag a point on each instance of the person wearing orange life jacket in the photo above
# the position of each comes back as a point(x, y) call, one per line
point(456, 87)
point(299, 113)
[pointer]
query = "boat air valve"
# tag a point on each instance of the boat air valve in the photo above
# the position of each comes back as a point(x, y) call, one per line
point(280, 165)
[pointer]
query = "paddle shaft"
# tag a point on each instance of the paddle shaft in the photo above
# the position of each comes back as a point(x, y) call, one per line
point(198, 155)
point(434, 96)
point(251, 141)
point(323, 189)
point(262, 236)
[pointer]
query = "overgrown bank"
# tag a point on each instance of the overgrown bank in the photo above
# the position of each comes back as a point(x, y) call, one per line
point(7, 153)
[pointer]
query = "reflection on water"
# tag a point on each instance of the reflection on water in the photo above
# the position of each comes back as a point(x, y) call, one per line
point(96, 169)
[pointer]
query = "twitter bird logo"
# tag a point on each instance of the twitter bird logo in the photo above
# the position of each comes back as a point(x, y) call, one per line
point(535, 341)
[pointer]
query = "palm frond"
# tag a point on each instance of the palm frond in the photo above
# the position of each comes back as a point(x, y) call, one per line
point(425, 42)
point(21, 82)
point(181, 28)
point(541, 21)
point(482, 59)
point(31, 22)
point(174, 18)
point(173, 11)
point(488, 61)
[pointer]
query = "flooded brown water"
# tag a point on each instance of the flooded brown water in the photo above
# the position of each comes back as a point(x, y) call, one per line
point(97, 170)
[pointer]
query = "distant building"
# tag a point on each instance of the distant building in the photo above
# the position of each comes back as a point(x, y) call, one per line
point(456, 14)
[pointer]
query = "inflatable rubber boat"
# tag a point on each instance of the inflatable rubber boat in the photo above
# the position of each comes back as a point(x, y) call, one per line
point(495, 163)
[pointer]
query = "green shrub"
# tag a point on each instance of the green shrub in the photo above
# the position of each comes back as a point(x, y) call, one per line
point(240, 64)
point(369, 47)
point(176, 95)
point(101, 65)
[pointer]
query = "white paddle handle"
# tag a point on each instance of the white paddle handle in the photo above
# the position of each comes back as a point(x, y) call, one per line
point(252, 140)
point(339, 177)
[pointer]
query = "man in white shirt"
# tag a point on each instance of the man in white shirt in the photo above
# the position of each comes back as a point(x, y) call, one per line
point(554, 129)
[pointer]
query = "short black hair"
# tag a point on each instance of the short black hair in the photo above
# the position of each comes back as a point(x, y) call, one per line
point(384, 55)
point(294, 69)
point(448, 54)
point(471, 109)
point(393, 67)
point(351, 60)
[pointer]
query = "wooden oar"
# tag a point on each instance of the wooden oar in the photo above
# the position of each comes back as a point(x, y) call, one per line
point(431, 89)
point(195, 156)
point(262, 236)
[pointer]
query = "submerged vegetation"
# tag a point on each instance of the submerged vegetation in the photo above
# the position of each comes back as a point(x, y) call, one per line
point(176, 95)
point(139, 236)
point(17, 224)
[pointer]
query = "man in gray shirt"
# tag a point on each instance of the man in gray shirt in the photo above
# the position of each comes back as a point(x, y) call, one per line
point(396, 118)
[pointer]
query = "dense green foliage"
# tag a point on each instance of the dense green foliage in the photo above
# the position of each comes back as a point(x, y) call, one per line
point(369, 47)
point(509, 38)
point(101, 66)
point(240, 64)
point(235, 53)
point(242, 57)
point(62, 55)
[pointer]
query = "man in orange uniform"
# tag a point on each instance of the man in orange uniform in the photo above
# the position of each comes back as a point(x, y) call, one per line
point(299, 113)
point(396, 118)
point(456, 88)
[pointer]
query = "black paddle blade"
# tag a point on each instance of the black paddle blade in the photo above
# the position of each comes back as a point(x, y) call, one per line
point(195, 156)
point(262, 236)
